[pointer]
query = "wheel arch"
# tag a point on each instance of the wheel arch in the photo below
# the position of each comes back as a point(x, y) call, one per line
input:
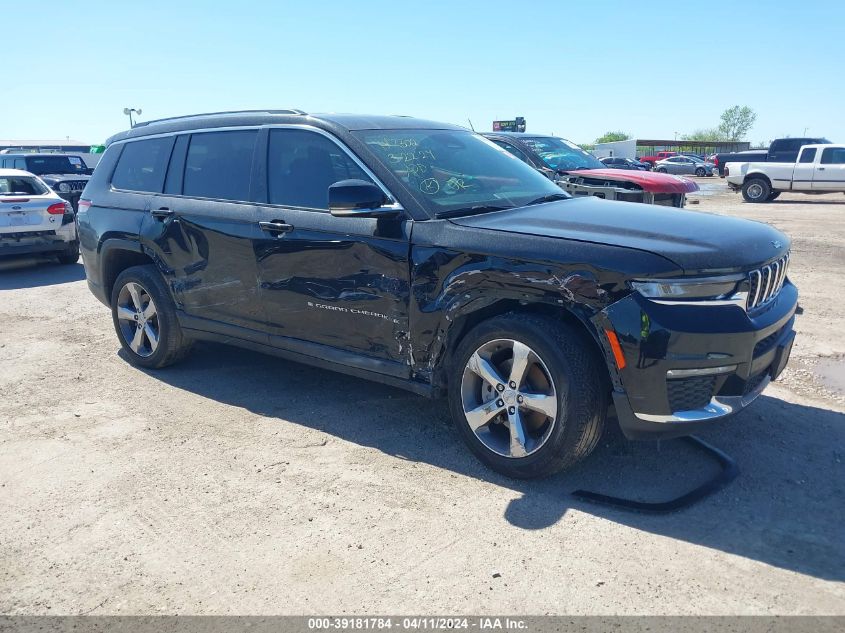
point(116, 255)
point(466, 320)
point(756, 174)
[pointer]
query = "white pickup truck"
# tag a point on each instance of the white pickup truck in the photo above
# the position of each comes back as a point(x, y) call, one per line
point(819, 169)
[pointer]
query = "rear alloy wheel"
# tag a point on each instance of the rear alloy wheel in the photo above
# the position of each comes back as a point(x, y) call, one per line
point(756, 190)
point(145, 319)
point(527, 395)
point(700, 171)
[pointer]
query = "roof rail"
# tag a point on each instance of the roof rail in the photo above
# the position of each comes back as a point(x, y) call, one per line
point(225, 113)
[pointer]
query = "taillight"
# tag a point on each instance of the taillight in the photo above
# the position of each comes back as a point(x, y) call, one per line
point(83, 205)
point(56, 209)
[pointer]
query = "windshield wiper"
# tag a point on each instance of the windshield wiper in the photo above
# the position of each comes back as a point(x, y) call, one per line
point(551, 197)
point(481, 208)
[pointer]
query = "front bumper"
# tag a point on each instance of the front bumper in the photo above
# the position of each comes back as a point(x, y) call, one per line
point(687, 366)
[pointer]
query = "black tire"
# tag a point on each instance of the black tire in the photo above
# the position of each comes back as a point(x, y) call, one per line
point(700, 172)
point(773, 196)
point(172, 344)
point(70, 255)
point(756, 190)
point(579, 381)
point(661, 170)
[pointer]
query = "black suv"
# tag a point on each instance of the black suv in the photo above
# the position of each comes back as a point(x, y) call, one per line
point(66, 174)
point(424, 256)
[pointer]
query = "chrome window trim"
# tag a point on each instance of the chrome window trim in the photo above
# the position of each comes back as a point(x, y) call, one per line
point(395, 204)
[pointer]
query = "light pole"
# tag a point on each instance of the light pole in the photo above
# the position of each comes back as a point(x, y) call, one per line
point(128, 112)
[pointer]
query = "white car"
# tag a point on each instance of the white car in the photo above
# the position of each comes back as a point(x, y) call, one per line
point(820, 168)
point(34, 219)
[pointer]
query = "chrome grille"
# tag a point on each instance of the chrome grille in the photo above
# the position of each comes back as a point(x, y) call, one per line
point(765, 283)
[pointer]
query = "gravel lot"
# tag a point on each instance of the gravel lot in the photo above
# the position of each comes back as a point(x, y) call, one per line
point(239, 483)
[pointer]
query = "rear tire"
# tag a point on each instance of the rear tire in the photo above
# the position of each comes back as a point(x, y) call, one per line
point(661, 170)
point(700, 172)
point(558, 406)
point(756, 190)
point(144, 317)
point(71, 255)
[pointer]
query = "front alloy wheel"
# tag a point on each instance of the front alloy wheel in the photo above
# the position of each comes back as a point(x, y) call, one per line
point(509, 398)
point(138, 319)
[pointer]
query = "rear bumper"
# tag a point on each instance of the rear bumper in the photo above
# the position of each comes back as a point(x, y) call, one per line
point(687, 367)
point(37, 242)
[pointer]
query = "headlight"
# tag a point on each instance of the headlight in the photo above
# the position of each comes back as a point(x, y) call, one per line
point(64, 187)
point(725, 288)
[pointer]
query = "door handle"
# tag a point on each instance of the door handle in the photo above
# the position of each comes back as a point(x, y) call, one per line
point(276, 226)
point(821, 168)
point(161, 213)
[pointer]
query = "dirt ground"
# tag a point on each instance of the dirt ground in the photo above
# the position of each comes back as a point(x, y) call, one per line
point(239, 483)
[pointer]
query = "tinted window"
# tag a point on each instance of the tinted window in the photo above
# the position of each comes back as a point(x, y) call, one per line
point(833, 156)
point(808, 155)
point(24, 185)
point(301, 166)
point(219, 165)
point(513, 149)
point(20, 163)
point(176, 168)
point(141, 165)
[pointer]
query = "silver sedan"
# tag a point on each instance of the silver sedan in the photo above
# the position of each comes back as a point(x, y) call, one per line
point(684, 165)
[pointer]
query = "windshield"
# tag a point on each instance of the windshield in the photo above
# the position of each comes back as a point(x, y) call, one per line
point(561, 155)
point(41, 165)
point(455, 171)
point(21, 185)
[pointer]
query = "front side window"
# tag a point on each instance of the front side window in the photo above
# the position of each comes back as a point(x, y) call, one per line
point(21, 185)
point(513, 149)
point(559, 154)
point(833, 156)
point(302, 165)
point(808, 155)
point(141, 165)
point(454, 171)
point(219, 165)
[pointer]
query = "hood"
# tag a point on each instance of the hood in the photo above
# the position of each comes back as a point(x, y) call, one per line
point(648, 180)
point(54, 178)
point(696, 242)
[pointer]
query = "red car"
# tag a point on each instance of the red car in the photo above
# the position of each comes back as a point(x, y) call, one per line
point(658, 156)
point(582, 174)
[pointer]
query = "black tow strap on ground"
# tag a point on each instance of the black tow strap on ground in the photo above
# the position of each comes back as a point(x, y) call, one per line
point(728, 473)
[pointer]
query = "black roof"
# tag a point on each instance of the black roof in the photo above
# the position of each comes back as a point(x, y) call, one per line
point(268, 117)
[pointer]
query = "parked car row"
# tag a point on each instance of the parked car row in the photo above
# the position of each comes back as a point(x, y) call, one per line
point(422, 255)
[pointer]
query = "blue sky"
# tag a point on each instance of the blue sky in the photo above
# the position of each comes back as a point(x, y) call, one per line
point(576, 69)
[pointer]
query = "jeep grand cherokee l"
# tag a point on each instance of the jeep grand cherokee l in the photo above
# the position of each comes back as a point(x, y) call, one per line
point(424, 256)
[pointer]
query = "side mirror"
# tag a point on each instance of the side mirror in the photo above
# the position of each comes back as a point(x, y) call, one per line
point(358, 198)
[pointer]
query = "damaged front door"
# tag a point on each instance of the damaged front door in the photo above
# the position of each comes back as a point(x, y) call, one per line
point(339, 282)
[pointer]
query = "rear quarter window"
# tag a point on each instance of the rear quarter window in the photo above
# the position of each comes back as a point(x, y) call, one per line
point(142, 165)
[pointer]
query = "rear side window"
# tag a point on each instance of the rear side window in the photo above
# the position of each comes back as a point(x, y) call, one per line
point(301, 165)
point(808, 155)
point(219, 165)
point(142, 165)
point(833, 156)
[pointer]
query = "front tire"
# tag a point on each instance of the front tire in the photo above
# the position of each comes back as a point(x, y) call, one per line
point(756, 190)
point(701, 172)
point(773, 196)
point(144, 317)
point(527, 395)
point(661, 170)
